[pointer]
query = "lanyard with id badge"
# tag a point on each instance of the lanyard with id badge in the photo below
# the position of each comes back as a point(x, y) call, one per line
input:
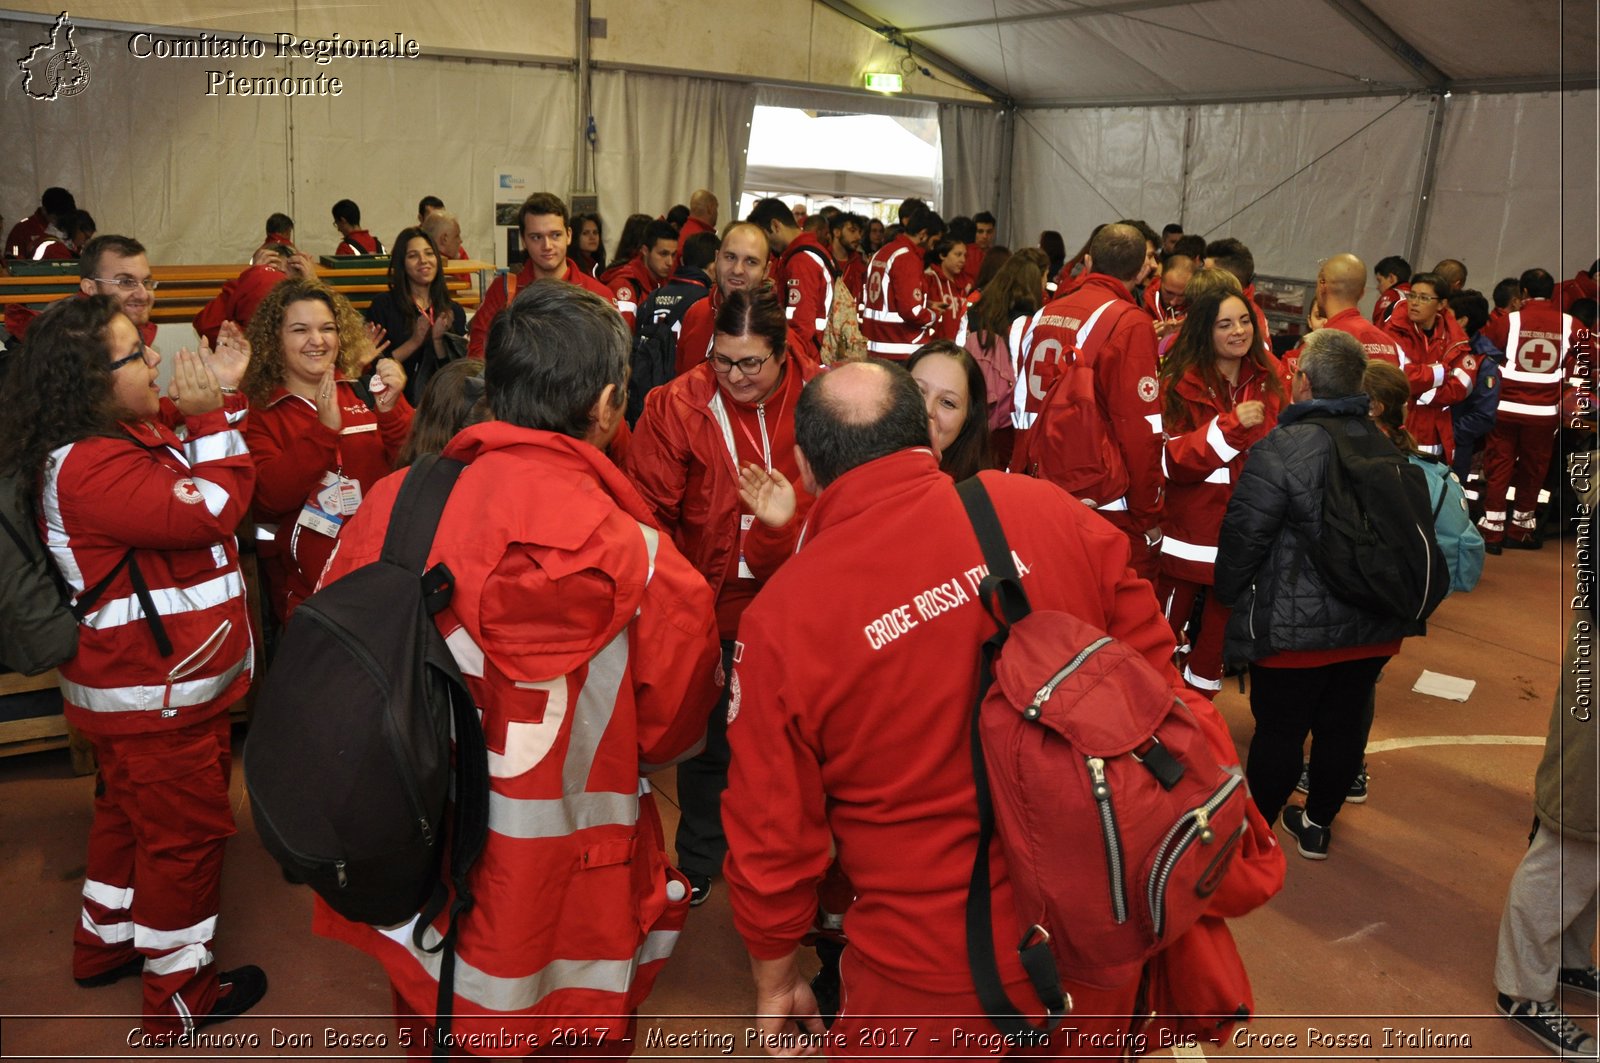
point(335, 498)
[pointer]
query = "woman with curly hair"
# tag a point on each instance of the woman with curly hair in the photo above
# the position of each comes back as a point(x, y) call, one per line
point(318, 444)
point(1220, 394)
point(418, 306)
point(140, 522)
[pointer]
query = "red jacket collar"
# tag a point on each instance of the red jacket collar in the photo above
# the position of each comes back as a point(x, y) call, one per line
point(805, 239)
point(1110, 285)
point(882, 482)
point(477, 440)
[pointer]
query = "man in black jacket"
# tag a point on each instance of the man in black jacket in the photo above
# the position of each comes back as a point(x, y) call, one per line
point(1314, 658)
point(660, 315)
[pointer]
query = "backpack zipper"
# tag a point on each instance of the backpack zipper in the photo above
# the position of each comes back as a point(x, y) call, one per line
point(1252, 617)
point(1033, 710)
point(1113, 839)
point(408, 775)
point(1427, 580)
point(1193, 824)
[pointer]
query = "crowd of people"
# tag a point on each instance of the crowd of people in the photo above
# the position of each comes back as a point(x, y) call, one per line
point(693, 470)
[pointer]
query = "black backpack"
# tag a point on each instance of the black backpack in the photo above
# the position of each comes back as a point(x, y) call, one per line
point(1377, 549)
point(655, 346)
point(38, 626)
point(349, 762)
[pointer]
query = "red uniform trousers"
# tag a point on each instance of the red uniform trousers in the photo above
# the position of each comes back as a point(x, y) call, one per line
point(161, 818)
point(879, 1017)
point(1202, 665)
point(1516, 455)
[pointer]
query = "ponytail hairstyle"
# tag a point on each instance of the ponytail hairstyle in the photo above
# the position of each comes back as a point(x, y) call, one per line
point(1386, 385)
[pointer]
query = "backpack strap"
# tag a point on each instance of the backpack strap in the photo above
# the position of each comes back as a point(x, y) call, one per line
point(86, 601)
point(1001, 590)
point(412, 526)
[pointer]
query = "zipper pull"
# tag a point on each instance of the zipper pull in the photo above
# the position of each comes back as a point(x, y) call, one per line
point(427, 831)
point(338, 869)
point(1202, 819)
point(1033, 710)
point(1097, 772)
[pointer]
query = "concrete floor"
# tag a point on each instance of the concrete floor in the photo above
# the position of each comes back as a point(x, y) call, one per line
point(1396, 930)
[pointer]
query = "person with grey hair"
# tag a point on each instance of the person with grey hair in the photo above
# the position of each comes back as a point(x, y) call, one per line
point(1314, 658)
point(851, 696)
point(444, 229)
point(589, 644)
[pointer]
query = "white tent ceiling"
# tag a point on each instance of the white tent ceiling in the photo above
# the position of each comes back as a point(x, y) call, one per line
point(1099, 52)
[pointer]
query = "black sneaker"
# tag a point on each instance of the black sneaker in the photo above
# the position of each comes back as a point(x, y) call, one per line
point(699, 889)
point(1357, 794)
point(116, 974)
point(1511, 543)
point(239, 990)
point(1304, 785)
point(1493, 549)
point(1547, 1024)
point(1580, 980)
point(1311, 841)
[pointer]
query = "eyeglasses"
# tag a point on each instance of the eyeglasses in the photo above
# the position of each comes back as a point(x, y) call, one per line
point(128, 284)
point(136, 356)
point(1415, 298)
point(748, 366)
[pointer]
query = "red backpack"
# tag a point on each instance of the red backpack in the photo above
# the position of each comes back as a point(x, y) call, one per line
point(1067, 443)
point(1117, 821)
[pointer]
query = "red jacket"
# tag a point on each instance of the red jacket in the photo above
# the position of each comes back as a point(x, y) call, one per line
point(1206, 450)
point(697, 327)
point(587, 644)
point(896, 319)
point(628, 284)
point(237, 301)
point(1542, 346)
point(851, 698)
point(968, 280)
point(497, 296)
point(26, 234)
point(1441, 369)
point(940, 288)
point(1377, 342)
point(682, 459)
point(18, 317)
point(52, 250)
point(805, 275)
point(1388, 299)
point(1158, 306)
point(293, 451)
point(359, 242)
point(1581, 286)
point(689, 228)
point(1122, 350)
point(177, 501)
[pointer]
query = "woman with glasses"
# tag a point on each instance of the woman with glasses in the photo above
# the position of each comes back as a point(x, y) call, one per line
point(713, 455)
point(418, 307)
point(317, 443)
point(140, 523)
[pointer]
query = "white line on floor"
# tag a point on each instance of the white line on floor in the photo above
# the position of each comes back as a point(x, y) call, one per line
point(1388, 744)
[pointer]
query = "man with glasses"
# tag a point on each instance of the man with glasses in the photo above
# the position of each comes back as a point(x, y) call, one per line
point(700, 454)
point(1437, 360)
point(117, 266)
point(108, 265)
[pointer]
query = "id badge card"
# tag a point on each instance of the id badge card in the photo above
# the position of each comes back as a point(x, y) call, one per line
point(323, 512)
point(746, 521)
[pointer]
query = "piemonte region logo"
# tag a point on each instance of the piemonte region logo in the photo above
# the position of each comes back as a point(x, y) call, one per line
point(55, 68)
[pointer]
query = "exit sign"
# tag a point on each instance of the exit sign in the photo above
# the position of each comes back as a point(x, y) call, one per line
point(884, 82)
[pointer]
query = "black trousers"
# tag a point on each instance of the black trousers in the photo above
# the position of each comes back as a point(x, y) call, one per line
point(701, 779)
point(1332, 703)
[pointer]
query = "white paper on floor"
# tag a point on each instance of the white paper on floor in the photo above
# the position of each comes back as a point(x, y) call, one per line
point(1448, 687)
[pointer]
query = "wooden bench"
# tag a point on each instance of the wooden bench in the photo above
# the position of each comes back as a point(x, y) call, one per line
point(185, 289)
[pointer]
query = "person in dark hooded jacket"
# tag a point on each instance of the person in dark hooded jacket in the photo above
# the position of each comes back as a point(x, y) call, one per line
point(1314, 658)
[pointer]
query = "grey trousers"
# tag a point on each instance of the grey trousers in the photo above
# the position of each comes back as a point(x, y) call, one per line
point(1550, 915)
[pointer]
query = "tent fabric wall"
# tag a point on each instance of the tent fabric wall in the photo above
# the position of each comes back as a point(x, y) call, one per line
point(971, 143)
point(1516, 186)
point(661, 137)
point(1301, 180)
point(193, 177)
point(1296, 181)
point(1074, 169)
